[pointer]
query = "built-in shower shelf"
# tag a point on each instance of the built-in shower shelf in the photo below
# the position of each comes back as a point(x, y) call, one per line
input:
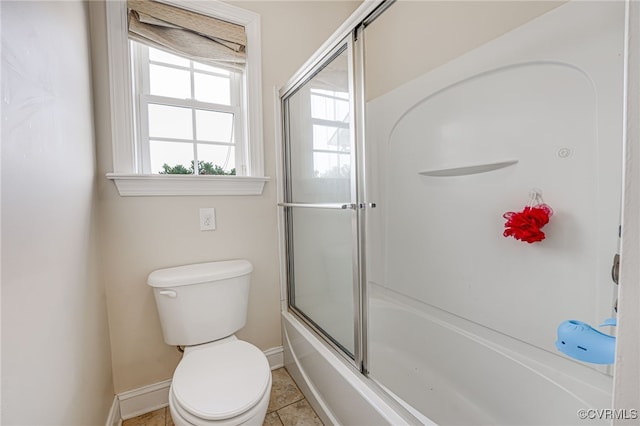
point(468, 170)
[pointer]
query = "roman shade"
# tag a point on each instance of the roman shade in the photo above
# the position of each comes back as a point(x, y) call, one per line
point(189, 34)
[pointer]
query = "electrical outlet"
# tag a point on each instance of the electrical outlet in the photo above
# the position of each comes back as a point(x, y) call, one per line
point(207, 219)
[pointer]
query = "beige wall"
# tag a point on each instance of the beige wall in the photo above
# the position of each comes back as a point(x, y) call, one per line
point(414, 37)
point(56, 366)
point(140, 234)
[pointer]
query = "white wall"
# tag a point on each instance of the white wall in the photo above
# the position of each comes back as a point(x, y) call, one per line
point(418, 36)
point(140, 234)
point(55, 348)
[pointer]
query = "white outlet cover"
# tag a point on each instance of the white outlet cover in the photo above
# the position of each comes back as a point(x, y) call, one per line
point(207, 219)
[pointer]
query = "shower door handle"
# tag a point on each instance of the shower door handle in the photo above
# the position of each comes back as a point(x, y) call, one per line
point(367, 205)
point(349, 206)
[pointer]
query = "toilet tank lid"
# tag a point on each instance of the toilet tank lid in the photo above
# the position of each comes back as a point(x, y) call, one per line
point(199, 273)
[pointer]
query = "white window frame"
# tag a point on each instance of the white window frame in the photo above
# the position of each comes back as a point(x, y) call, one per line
point(127, 170)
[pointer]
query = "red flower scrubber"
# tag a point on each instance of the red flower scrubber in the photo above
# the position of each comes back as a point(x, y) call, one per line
point(525, 225)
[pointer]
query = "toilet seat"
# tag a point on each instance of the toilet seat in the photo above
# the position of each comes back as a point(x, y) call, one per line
point(221, 381)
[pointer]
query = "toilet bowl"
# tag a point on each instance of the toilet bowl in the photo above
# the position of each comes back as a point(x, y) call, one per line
point(220, 380)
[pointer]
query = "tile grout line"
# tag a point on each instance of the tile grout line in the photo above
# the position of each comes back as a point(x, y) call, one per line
point(291, 403)
point(295, 402)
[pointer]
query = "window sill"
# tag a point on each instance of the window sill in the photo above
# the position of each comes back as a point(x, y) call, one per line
point(138, 185)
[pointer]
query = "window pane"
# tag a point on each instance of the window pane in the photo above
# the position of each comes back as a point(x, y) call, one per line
point(170, 153)
point(170, 122)
point(211, 88)
point(327, 165)
point(214, 126)
point(162, 56)
point(218, 155)
point(331, 138)
point(171, 82)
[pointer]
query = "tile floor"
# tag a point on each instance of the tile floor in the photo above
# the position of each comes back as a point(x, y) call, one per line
point(287, 407)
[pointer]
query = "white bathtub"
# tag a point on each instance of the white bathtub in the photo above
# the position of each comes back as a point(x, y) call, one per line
point(528, 386)
point(461, 373)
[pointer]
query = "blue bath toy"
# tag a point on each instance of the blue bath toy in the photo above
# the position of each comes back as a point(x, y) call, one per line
point(579, 340)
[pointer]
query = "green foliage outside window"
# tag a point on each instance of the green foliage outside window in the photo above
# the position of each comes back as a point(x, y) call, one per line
point(204, 168)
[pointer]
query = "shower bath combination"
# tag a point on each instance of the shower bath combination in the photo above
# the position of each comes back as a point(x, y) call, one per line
point(401, 153)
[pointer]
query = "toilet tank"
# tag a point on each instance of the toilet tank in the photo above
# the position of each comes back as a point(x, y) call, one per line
point(203, 302)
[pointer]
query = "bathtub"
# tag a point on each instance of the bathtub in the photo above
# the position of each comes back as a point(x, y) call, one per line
point(528, 386)
point(460, 373)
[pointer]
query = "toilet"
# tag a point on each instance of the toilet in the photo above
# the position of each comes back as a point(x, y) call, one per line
point(220, 380)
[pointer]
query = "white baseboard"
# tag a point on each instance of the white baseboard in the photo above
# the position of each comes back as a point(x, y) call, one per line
point(275, 356)
point(143, 400)
point(114, 419)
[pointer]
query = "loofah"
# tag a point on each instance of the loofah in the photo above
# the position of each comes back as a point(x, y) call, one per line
point(526, 225)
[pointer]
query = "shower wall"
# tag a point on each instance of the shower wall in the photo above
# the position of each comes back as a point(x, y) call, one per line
point(462, 321)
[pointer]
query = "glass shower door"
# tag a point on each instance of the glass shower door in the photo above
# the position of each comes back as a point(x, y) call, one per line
point(319, 199)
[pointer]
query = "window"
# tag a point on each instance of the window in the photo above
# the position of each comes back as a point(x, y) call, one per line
point(188, 114)
point(175, 114)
